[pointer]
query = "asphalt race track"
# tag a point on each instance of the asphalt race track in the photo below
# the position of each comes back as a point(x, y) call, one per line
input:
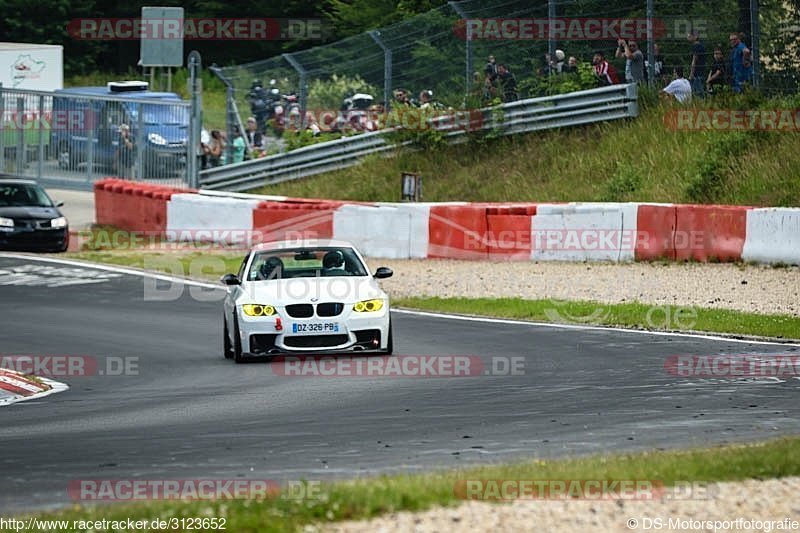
point(188, 413)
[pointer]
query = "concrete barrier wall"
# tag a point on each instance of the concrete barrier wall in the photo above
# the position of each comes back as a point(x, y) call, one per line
point(615, 232)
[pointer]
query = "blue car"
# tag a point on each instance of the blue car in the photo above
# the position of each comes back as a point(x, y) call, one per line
point(104, 111)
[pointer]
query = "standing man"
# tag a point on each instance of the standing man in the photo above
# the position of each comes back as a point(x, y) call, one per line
point(741, 64)
point(697, 67)
point(255, 140)
point(507, 83)
point(125, 152)
point(634, 60)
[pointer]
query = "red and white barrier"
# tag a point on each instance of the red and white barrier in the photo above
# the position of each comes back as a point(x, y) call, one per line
point(616, 232)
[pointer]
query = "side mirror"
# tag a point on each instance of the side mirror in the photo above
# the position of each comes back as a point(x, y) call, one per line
point(60, 204)
point(230, 279)
point(383, 272)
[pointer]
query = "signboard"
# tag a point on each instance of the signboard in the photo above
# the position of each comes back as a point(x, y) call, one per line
point(31, 66)
point(161, 43)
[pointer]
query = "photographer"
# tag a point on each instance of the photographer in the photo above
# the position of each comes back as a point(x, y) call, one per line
point(634, 60)
point(259, 104)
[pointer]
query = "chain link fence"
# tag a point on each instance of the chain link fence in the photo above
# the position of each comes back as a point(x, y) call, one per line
point(74, 139)
point(445, 50)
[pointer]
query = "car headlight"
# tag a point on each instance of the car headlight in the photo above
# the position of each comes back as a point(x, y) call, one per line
point(258, 310)
point(155, 138)
point(6, 224)
point(60, 222)
point(368, 306)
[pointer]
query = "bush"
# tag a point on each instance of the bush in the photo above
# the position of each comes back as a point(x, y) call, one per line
point(711, 176)
point(625, 181)
point(329, 93)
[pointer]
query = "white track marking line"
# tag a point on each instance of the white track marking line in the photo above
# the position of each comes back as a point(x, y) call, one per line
point(580, 327)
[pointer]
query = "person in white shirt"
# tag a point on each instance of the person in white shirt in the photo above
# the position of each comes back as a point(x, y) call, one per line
point(679, 87)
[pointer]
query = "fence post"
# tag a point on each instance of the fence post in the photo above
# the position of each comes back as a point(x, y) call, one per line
point(302, 96)
point(551, 30)
point(2, 129)
point(387, 68)
point(140, 142)
point(231, 115)
point(20, 123)
point(755, 45)
point(467, 48)
point(195, 118)
point(40, 164)
point(651, 46)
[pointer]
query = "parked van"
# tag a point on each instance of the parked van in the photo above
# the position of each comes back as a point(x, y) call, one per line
point(159, 135)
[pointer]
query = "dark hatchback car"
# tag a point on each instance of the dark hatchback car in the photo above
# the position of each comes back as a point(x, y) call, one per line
point(29, 220)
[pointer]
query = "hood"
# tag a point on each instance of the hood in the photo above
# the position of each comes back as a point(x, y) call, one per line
point(35, 213)
point(281, 292)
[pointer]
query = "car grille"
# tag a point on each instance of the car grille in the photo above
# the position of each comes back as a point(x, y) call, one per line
point(300, 310)
point(315, 341)
point(330, 309)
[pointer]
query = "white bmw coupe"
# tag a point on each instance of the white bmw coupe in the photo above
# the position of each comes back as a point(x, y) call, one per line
point(311, 296)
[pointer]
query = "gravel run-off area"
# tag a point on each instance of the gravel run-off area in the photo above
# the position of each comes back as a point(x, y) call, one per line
point(695, 509)
point(742, 287)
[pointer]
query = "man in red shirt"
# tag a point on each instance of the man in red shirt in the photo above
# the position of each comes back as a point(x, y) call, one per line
point(603, 70)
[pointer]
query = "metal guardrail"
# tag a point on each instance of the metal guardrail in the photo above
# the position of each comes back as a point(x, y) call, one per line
point(564, 110)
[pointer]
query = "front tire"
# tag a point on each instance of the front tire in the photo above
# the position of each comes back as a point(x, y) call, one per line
point(390, 342)
point(238, 356)
point(227, 349)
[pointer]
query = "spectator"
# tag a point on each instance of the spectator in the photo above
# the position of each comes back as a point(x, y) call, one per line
point(401, 97)
point(239, 146)
point(254, 137)
point(425, 99)
point(604, 71)
point(634, 60)
point(491, 67)
point(507, 83)
point(572, 66)
point(216, 149)
point(658, 65)
point(679, 87)
point(125, 152)
point(717, 76)
point(741, 63)
point(205, 142)
point(697, 68)
point(489, 87)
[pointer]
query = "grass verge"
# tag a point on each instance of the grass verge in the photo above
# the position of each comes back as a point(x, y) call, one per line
point(366, 498)
point(628, 315)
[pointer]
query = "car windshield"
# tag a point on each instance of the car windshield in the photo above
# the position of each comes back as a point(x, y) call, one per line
point(23, 195)
point(162, 114)
point(305, 263)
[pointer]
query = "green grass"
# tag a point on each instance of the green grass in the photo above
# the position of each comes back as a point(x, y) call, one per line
point(365, 498)
point(631, 160)
point(629, 315)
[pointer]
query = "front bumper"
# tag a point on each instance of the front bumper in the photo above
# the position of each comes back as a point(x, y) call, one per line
point(35, 240)
point(358, 333)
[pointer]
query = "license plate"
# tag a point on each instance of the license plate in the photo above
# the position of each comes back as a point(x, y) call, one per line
point(315, 328)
